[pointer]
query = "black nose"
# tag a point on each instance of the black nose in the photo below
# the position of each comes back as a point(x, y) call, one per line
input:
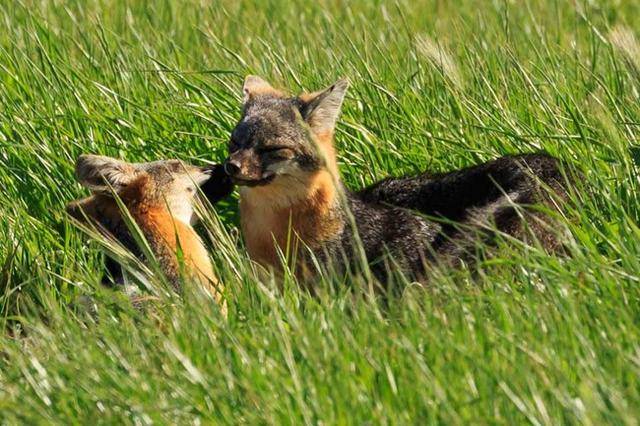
point(232, 167)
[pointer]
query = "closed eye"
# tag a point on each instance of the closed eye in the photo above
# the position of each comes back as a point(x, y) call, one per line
point(271, 149)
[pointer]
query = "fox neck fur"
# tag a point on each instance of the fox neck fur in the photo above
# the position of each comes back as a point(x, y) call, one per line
point(287, 212)
point(164, 232)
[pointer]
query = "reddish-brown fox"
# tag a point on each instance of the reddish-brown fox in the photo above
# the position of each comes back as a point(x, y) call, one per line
point(159, 196)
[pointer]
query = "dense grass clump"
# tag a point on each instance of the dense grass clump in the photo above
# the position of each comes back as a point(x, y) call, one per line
point(523, 337)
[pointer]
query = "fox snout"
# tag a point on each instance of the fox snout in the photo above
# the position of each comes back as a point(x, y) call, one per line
point(245, 168)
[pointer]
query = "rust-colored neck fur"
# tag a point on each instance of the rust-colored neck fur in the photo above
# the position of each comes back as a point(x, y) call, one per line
point(166, 233)
point(286, 212)
point(163, 231)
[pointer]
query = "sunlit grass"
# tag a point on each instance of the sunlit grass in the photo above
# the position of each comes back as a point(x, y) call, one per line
point(522, 337)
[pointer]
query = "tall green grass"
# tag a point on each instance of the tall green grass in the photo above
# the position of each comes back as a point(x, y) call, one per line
point(525, 338)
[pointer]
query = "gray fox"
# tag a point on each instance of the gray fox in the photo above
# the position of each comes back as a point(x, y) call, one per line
point(281, 153)
point(159, 196)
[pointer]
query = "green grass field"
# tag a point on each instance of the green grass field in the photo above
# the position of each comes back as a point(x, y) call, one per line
point(524, 337)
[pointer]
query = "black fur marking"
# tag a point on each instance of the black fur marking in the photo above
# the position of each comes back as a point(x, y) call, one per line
point(452, 195)
point(218, 186)
point(308, 162)
point(113, 276)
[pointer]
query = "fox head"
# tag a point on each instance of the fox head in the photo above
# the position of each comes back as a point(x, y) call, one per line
point(280, 136)
point(169, 184)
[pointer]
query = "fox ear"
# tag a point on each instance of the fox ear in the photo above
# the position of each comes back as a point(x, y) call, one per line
point(254, 85)
point(98, 172)
point(321, 109)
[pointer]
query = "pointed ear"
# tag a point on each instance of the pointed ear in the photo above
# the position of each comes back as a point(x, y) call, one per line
point(97, 172)
point(321, 109)
point(254, 85)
